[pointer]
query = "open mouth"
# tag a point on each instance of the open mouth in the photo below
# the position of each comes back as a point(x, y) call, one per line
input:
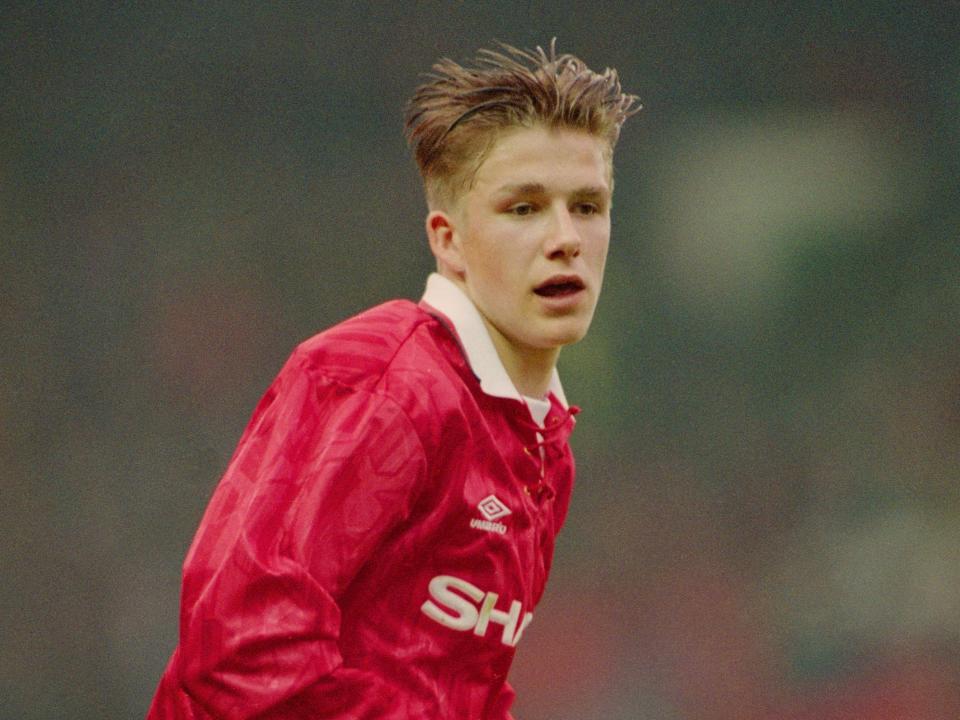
point(559, 287)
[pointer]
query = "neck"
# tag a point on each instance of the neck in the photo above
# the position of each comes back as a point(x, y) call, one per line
point(530, 369)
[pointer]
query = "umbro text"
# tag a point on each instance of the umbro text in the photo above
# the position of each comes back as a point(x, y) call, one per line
point(488, 525)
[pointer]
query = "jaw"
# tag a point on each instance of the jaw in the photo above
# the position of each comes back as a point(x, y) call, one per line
point(553, 327)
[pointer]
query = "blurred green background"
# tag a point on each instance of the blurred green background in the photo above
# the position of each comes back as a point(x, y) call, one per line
point(767, 520)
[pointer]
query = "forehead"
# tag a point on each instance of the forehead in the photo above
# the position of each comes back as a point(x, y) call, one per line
point(558, 159)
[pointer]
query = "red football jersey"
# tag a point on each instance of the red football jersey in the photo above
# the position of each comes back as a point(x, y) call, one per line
point(382, 534)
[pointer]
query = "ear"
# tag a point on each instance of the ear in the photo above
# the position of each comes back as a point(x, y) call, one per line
point(445, 242)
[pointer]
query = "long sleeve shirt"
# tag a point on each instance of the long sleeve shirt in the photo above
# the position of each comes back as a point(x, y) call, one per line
point(382, 534)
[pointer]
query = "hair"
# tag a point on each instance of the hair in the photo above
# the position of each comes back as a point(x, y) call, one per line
point(453, 120)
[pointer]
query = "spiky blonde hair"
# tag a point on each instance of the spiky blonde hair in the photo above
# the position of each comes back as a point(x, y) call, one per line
point(453, 120)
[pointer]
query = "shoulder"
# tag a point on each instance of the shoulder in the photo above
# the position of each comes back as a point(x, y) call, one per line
point(375, 334)
point(396, 349)
point(358, 351)
point(395, 353)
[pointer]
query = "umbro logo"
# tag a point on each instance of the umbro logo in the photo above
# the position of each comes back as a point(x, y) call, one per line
point(492, 509)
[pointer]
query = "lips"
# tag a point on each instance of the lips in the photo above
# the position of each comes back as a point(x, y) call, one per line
point(560, 286)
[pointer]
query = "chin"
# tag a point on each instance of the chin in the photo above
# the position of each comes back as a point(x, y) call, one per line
point(564, 336)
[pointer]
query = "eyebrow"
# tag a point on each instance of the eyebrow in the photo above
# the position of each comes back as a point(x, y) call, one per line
point(590, 191)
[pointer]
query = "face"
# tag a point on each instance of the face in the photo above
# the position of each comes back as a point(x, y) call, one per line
point(528, 241)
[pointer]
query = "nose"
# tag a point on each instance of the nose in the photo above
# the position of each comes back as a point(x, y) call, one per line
point(563, 239)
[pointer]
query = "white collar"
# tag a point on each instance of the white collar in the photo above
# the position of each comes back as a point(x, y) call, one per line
point(444, 295)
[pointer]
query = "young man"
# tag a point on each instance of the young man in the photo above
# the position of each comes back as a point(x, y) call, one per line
point(385, 528)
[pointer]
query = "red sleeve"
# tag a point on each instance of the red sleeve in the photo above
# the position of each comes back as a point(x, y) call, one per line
point(321, 474)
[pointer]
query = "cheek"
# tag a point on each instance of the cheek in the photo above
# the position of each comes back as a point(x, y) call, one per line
point(487, 272)
point(599, 249)
point(497, 256)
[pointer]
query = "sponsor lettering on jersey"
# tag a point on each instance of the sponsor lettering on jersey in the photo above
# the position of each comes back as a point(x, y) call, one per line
point(462, 606)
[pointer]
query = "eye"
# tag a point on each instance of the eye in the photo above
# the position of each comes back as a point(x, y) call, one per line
point(586, 208)
point(521, 209)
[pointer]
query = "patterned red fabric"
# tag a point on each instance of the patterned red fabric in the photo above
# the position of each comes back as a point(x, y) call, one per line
point(378, 540)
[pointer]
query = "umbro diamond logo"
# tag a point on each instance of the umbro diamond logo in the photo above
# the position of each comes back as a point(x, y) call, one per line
point(492, 508)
